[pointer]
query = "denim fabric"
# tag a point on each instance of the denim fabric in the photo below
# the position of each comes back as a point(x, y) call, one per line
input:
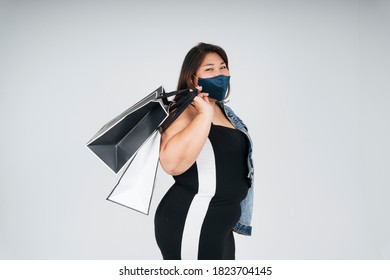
point(243, 225)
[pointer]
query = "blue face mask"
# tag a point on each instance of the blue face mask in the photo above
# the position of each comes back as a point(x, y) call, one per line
point(216, 86)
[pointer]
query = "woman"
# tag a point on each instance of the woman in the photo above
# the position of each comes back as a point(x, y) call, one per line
point(208, 152)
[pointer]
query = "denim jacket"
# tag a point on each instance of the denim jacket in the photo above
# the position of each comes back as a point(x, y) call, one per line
point(243, 225)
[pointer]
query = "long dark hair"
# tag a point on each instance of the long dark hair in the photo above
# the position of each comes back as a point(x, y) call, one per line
point(193, 60)
point(191, 64)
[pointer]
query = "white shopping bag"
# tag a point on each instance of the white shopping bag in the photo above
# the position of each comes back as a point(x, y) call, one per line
point(135, 186)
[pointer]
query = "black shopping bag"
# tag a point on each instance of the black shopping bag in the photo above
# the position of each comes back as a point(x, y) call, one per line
point(118, 140)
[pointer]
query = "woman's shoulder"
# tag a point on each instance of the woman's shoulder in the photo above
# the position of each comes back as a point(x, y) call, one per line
point(182, 121)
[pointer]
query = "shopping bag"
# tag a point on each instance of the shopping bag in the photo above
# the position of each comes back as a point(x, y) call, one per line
point(135, 186)
point(119, 139)
point(131, 142)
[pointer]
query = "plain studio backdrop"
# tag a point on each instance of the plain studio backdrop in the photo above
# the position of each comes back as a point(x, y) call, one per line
point(310, 79)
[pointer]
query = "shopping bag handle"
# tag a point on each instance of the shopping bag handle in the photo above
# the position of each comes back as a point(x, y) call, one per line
point(176, 92)
point(177, 107)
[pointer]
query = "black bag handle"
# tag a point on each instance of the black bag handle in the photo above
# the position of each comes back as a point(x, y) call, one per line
point(176, 92)
point(164, 95)
point(177, 107)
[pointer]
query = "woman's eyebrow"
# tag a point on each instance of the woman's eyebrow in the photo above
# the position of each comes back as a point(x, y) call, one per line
point(212, 64)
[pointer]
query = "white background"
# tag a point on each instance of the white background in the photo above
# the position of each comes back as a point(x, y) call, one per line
point(309, 78)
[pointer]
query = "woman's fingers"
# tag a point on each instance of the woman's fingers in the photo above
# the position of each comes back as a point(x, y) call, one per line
point(201, 94)
point(202, 104)
point(203, 97)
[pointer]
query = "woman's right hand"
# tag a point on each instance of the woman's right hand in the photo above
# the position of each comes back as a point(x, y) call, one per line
point(202, 103)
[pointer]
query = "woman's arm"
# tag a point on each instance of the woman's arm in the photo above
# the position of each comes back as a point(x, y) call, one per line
point(183, 140)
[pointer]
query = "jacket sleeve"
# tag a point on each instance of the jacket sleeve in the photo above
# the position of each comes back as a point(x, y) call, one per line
point(243, 225)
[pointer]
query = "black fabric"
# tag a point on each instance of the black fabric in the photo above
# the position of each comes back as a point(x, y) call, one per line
point(216, 238)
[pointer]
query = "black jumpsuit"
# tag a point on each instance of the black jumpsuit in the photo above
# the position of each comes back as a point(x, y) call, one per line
point(194, 220)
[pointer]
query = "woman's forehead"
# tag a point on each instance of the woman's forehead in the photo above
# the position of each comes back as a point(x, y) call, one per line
point(212, 59)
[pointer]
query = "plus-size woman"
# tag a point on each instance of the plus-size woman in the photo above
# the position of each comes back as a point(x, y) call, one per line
point(208, 151)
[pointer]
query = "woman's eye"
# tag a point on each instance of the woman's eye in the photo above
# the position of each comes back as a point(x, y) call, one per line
point(209, 69)
point(223, 67)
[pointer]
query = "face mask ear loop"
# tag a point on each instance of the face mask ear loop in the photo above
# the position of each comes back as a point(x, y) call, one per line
point(194, 76)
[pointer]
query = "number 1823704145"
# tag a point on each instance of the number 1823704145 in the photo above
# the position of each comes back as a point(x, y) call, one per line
point(242, 270)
